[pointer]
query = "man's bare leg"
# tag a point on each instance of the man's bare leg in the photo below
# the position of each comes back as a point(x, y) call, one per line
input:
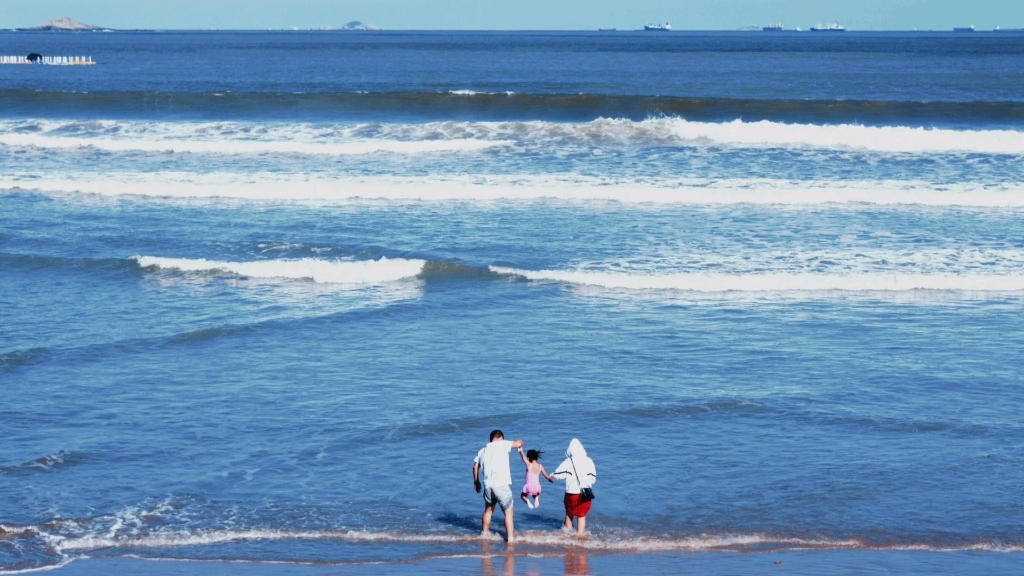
point(581, 525)
point(486, 520)
point(510, 525)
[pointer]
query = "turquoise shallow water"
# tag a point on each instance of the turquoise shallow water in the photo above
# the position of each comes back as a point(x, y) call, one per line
point(279, 329)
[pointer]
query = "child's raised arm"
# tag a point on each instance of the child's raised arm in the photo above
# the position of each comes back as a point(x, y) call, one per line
point(545, 473)
point(523, 456)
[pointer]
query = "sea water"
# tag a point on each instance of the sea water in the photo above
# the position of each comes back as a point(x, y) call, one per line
point(263, 296)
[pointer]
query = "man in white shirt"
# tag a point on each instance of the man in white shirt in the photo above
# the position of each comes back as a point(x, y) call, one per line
point(497, 483)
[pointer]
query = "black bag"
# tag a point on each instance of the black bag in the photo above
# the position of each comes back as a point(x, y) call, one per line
point(586, 494)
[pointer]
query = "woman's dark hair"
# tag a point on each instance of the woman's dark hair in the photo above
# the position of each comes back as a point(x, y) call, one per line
point(533, 455)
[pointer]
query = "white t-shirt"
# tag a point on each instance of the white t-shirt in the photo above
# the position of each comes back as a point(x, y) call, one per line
point(480, 460)
point(493, 458)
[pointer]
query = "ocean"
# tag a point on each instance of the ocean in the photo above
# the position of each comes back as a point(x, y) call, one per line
point(263, 296)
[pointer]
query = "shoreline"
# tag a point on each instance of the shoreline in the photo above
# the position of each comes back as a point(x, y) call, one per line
point(792, 562)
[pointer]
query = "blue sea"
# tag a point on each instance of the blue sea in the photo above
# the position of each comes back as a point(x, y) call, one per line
point(263, 296)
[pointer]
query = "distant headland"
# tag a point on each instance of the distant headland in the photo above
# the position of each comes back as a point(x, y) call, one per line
point(357, 25)
point(65, 25)
point(69, 25)
point(353, 25)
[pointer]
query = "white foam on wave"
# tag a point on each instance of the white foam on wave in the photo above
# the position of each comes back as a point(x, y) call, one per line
point(570, 187)
point(596, 542)
point(541, 538)
point(309, 138)
point(321, 271)
point(778, 282)
point(365, 146)
point(674, 131)
point(851, 136)
point(669, 131)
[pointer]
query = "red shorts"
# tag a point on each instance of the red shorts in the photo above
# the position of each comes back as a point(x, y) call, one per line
point(573, 507)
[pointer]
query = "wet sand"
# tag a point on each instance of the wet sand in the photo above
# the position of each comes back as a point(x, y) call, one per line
point(817, 563)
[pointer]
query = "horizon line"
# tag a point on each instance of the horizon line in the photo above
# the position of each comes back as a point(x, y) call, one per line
point(660, 33)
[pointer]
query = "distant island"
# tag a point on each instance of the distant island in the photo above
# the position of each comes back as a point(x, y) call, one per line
point(357, 25)
point(65, 25)
point(353, 25)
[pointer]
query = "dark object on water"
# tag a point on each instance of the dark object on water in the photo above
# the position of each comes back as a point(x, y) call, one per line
point(968, 29)
point(33, 57)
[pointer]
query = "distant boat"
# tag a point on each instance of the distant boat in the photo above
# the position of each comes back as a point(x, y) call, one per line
point(606, 29)
point(773, 28)
point(968, 29)
point(1001, 29)
point(827, 28)
point(666, 27)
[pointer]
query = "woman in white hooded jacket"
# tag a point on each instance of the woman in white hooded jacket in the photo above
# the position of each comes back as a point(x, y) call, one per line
point(578, 471)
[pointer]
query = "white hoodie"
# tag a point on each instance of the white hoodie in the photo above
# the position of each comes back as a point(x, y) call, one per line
point(576, 455)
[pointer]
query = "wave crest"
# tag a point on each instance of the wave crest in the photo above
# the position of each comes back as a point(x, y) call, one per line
point(321, 271)
point(248, 146)
point(456, 136)
point(755, 542)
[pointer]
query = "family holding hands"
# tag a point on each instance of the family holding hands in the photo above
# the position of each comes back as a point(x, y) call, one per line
point(492, 466)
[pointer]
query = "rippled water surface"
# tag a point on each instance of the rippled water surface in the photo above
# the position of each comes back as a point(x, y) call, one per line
point(269, 308)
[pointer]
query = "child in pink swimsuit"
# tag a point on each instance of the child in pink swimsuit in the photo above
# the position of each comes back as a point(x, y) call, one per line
point(533, 471)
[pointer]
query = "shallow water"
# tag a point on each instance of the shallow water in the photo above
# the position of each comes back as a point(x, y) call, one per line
point(263, 326)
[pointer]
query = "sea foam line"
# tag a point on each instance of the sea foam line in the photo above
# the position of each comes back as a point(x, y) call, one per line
point(777, 282)
point(568, 187)
point(724, 542)
point(321, 271)
point(248, 137)
point(851, 136)
point(597, 542)
point(233, 146)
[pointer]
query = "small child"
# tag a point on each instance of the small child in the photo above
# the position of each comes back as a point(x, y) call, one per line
point(533, 471)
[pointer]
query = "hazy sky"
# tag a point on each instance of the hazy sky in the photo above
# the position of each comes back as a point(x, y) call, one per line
point(519, 14)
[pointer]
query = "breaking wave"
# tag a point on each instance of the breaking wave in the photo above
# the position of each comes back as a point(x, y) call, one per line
point(777, 282)
point(613, 542)
point(765, 133)
point(157, 526)
point(453, 136)
point(248, 146)
point(47, 463)
point(320, 271)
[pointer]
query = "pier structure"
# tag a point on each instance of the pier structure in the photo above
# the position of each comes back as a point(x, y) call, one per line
point(48, 60)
